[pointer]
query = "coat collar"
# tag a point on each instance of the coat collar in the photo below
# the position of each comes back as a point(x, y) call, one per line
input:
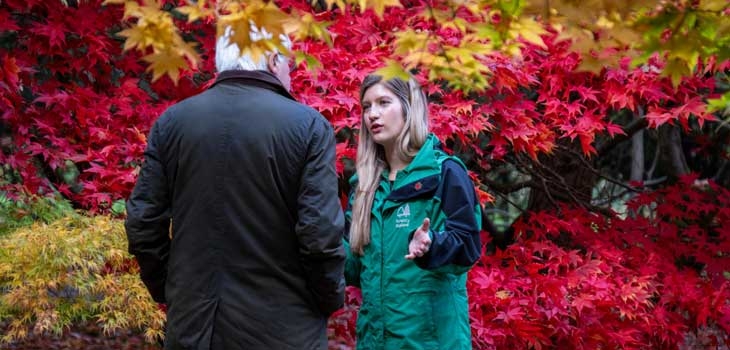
point(425, 163)
point(258, 78)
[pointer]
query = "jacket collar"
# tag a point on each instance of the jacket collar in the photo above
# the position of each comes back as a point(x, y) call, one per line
point(258, 78)
point(425, 163)
point(421, 177)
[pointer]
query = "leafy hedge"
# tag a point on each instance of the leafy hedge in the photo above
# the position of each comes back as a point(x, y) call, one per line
point(75, 269)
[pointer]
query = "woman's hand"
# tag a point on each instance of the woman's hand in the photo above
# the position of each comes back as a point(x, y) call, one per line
point(421, 241)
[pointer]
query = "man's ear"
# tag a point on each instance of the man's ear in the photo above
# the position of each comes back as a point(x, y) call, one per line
point(272, 62)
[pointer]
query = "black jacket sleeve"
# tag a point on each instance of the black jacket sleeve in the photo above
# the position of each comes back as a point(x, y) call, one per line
point(352, 265)
point(148, 219)
point(320, 222)
point(458, 246)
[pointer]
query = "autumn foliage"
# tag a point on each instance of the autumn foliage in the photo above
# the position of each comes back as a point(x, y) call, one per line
point(75, 109)
point(583, 281)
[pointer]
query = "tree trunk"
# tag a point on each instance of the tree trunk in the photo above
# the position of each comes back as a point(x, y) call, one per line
point(637, 156)
point(670, 140)
point(637, 153)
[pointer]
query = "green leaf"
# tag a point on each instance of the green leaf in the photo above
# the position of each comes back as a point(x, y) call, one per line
point(393, 69)
point(676, 69)
point(713, 5)
point(511, 8)
point(718, 104)
point(118, 208)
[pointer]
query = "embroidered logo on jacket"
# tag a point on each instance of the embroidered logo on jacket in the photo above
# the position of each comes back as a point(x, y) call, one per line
point(403, 216)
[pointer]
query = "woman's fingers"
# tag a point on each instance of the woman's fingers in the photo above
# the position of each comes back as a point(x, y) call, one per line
point(420, 242)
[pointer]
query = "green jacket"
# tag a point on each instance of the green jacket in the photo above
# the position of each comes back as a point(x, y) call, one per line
point(421, 303)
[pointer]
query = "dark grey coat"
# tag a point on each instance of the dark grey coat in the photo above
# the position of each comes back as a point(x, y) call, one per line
point(247, 177)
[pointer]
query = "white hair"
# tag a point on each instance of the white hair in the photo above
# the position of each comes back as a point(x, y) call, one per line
point(228, 55)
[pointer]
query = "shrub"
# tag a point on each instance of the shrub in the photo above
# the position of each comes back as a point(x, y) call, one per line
point(583, 281)
point(75, 269)
point(23, 211)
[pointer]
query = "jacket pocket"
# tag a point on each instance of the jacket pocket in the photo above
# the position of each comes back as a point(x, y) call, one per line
point(419, 324)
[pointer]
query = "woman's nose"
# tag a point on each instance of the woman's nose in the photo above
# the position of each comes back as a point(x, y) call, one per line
point(374, 114)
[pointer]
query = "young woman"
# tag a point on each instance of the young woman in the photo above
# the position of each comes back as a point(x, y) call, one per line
point(414, 224)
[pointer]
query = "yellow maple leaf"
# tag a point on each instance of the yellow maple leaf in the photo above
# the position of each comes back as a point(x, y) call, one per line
point(134, 38)
point(188, 51)
point(306, 26)
point(168, 62)
point(268, 16)
point(476, 47)
point(685, 50)
point(194, 12)
point(457, 24)
point(131, 10)
point(240, 29)
point(378, 5)
point(624, 36)
point(713, 5)
point(393, 69)
point(410, 40)
point(676, 68)
point(589, 63)
point(528, 29)
point(420, 57)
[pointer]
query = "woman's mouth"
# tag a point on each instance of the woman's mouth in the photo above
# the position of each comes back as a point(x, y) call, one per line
point(376, 129)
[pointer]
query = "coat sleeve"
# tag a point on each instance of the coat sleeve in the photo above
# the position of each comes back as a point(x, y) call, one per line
point(148, 219)
point(352, 263)
point(458, 246)
point(320, 221)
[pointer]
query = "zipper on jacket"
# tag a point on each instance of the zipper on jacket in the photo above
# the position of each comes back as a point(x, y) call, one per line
point(382, 276)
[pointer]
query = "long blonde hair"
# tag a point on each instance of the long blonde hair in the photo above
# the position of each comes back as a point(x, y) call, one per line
point(371, 156)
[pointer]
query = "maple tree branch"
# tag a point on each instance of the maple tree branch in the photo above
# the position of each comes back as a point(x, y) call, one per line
point(600, 210)
point(547, 192)
point(720, 171)
point(596, 172)
point(638, 124)
point(506, 199)
point(652, 182)
point(610, 198)
point(546, 181)
point(678, 25)
point(568, 189)
point(555, 185)
point(508, 188)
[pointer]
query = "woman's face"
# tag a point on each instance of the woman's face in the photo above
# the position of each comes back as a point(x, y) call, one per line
point(382, 115)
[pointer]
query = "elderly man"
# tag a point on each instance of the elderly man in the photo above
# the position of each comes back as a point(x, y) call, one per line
point(246, 175)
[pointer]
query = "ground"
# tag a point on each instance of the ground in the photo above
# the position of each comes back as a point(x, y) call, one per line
point(89, 337)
